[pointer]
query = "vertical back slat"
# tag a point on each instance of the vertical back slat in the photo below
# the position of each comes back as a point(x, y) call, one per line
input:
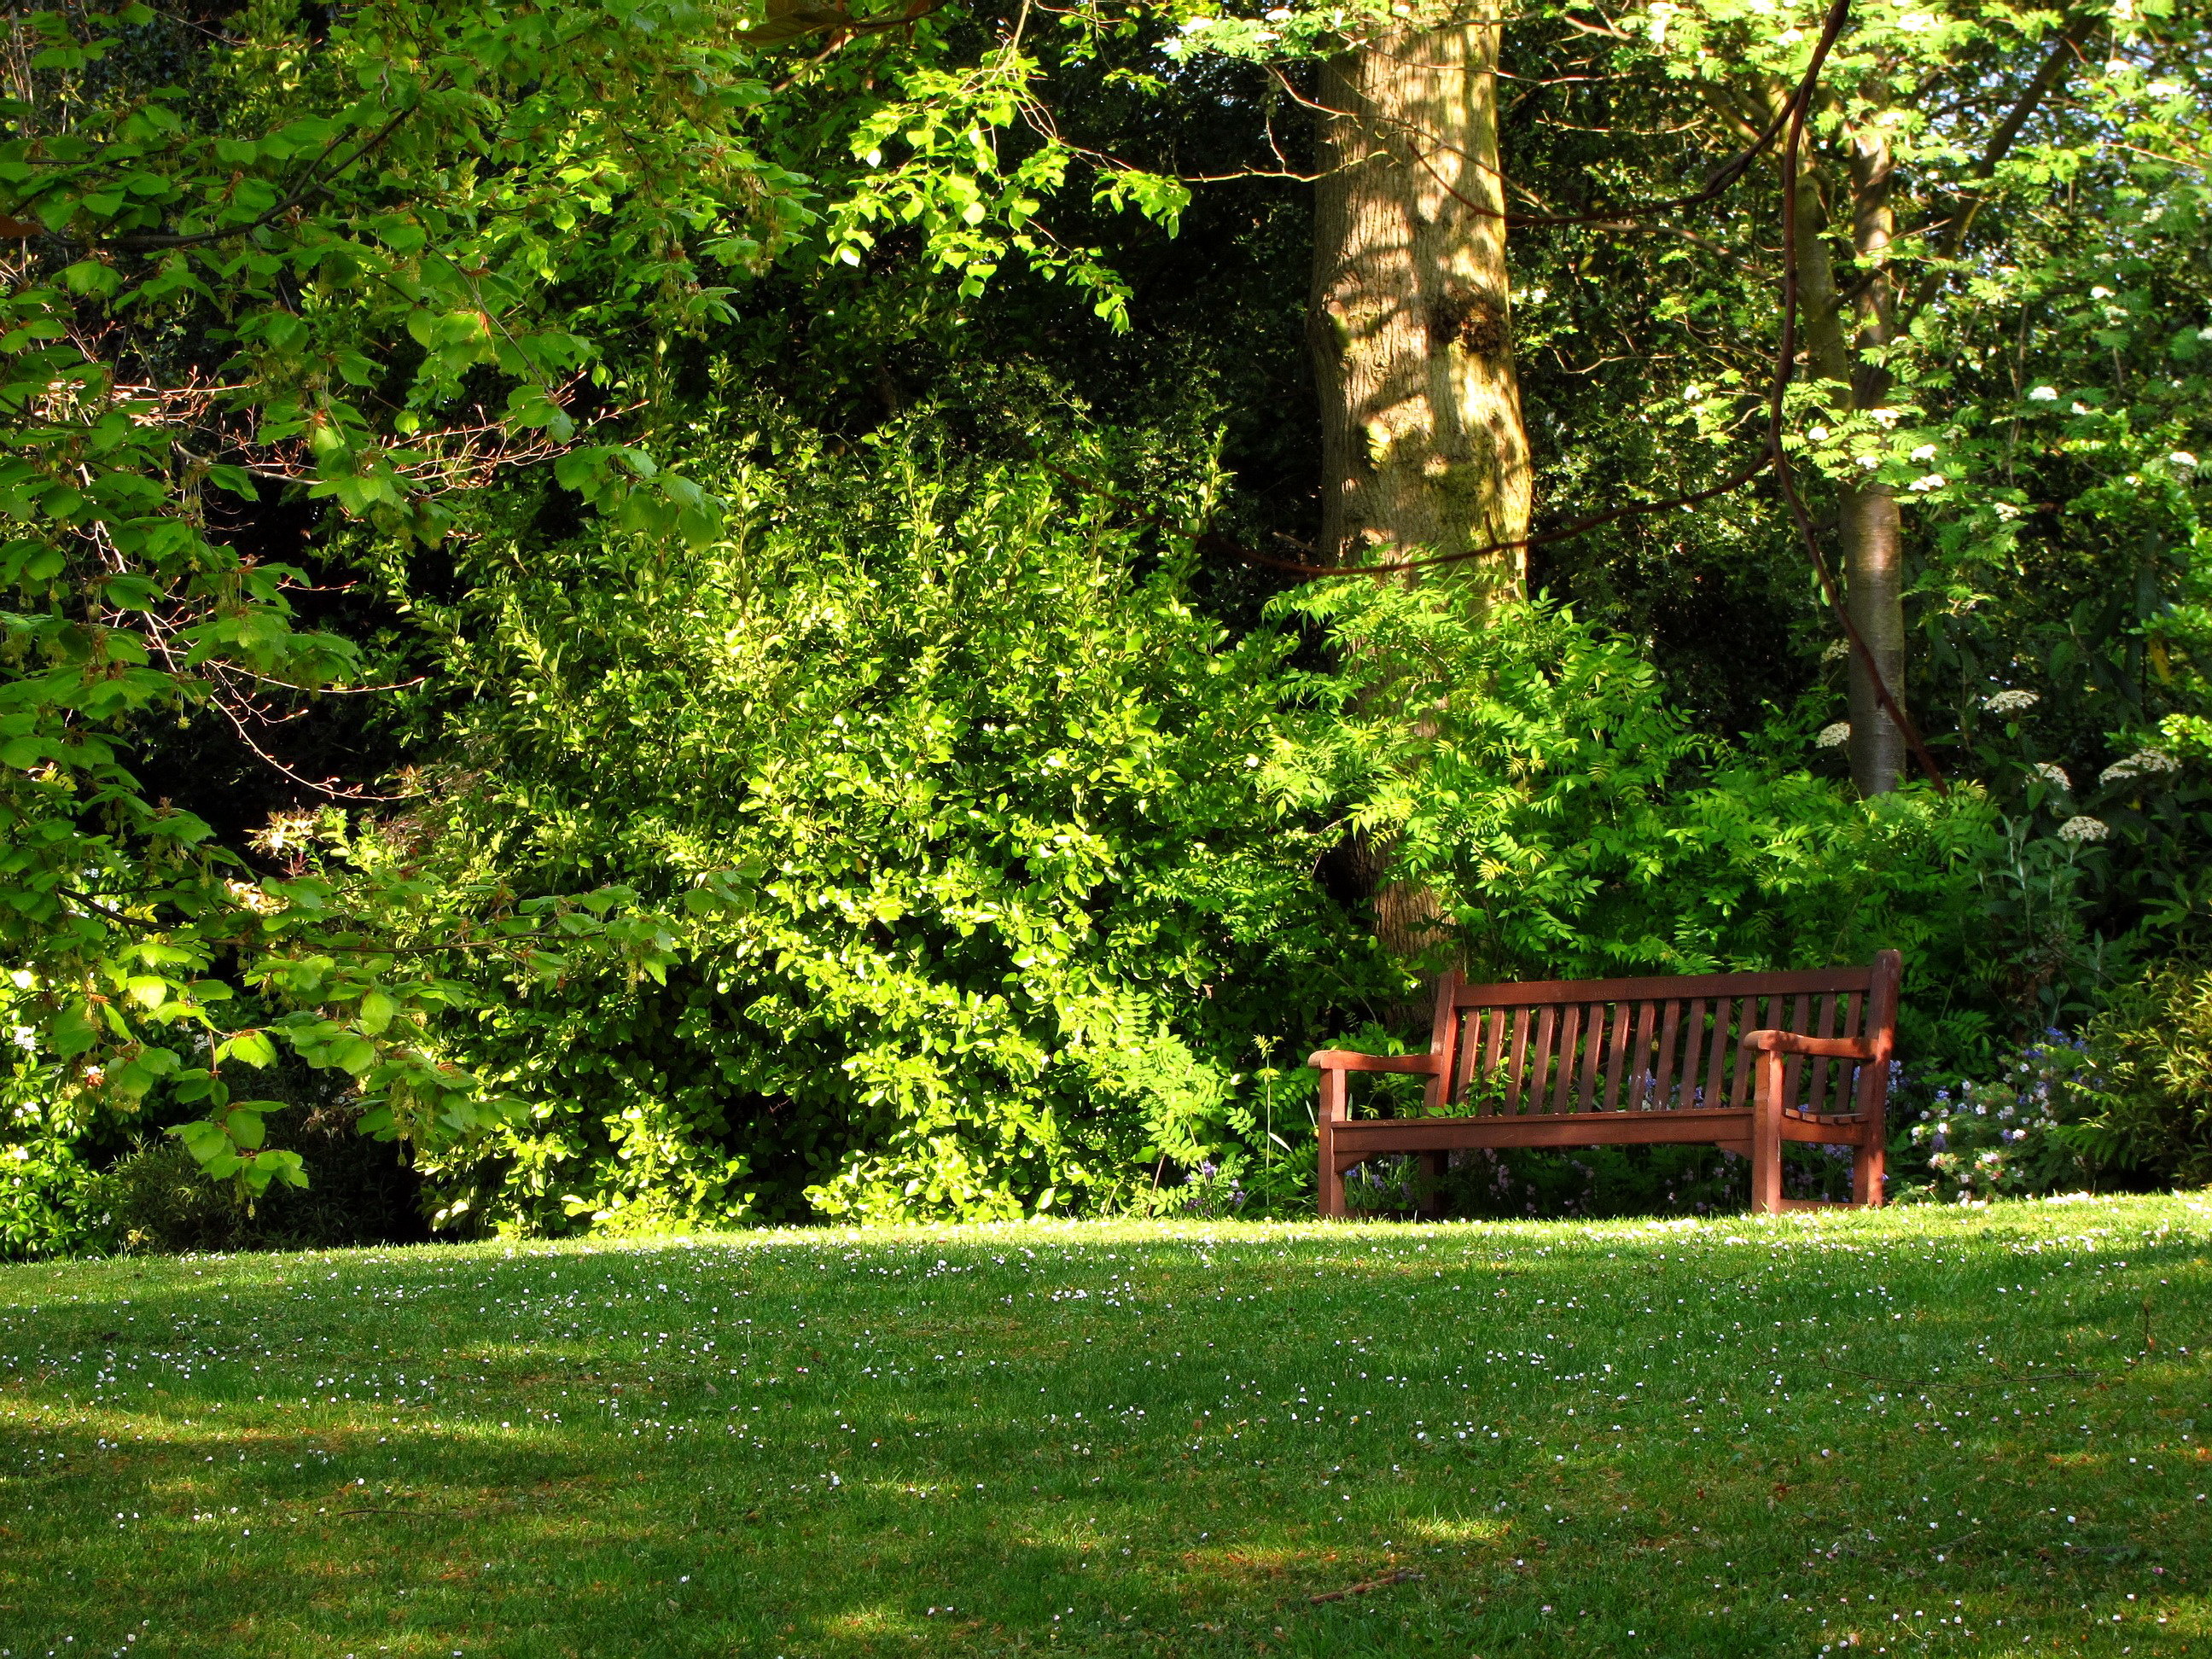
point(1689, 1091)
point(1663, 1075)
point(1823, 1025)
point(1547, 1023)
point(1470, 1049)
point(1637, 1062)
point(1741, 1073)
point(1593, 1044)
point(1716, 1065)
point(1847, 1075)
point(1792, 1068)
point(1626, 1019)
point(1522, 1018)
point(1570, 1024)
point(1493, 1042)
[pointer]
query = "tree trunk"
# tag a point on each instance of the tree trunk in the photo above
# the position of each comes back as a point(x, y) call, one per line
point(1424, 450)
point(1872, 550)
point(1423, 447)
point(1839, 333)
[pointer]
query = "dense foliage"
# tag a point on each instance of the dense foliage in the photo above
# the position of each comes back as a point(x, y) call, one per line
point(668, 591)
point(989, 911)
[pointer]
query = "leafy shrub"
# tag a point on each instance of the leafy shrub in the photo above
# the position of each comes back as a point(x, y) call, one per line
point(51, 1200)
point(72, 1182)
point(1527, 770)
point(1212, 1192)
point(955, 788)
point(2019, 1135)
point(2127, 1104)
point(2153, 1049)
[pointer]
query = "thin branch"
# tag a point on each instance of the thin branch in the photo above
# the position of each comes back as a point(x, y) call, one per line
point(2047, 77)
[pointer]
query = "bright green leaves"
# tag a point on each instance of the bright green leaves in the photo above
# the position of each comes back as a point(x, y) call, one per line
point(379, 259)
point(629, 487)
point(974, 189)
point(249, 1047)
point(1569, 820)
point(967, 873)
point(230, 1147)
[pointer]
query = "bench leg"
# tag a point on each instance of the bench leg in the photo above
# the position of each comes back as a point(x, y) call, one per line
point(1766, 1137)
point(1329, 1180)
point(1866, 1175)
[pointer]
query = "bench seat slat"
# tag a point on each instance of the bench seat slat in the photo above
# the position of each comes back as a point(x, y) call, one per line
point(1723, 1127)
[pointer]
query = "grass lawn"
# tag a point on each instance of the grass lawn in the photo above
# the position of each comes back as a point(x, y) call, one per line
point(1924, 1431)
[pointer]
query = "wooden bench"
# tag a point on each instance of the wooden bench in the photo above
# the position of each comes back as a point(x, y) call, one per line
point(1741, 1062)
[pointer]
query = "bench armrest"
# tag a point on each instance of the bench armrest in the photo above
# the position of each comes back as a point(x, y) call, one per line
point(1788, 1042)
point(1343, 1060)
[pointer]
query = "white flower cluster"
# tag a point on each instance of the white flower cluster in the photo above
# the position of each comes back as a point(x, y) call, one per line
point(2043, 394)
point(2011, 702)
point(2081, 827)
point(1930, 481)
point(1835, 736)
point(2140, 764)
point(2053, 775)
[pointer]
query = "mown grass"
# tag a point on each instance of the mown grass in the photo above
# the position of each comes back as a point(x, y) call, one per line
point(1922, 1432)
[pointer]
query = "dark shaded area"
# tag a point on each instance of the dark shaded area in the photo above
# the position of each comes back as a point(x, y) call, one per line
point(359, 1190)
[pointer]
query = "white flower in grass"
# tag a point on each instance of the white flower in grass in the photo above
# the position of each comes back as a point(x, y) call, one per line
point(2053, 775)
point(1925, 452)
point(2081, 827)
point(2182, 458)
point(2140, 764)
point(2011, 702)
point(2043, 394)
point(1835, 736)
point(2100, 292)
point(2007, 511)
point(1930, 481)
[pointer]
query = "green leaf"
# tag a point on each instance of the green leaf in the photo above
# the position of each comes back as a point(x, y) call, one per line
point(250, 1048)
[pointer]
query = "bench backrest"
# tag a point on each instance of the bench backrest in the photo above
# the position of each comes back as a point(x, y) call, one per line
point(1560, 1046)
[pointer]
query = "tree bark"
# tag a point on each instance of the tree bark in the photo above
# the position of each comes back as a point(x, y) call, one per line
point(1873, 528)
point(1424, 449)
point(1844, 338)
